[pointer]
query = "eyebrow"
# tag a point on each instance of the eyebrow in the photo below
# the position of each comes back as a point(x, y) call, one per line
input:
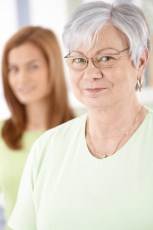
point(26, 63)
point(98, 51)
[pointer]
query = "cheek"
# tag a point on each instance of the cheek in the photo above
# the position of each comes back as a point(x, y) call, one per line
point(42, 78)
point(132, 77)
point(74, 79)
point(74, 85)
point(12, 82)
point(125, 76)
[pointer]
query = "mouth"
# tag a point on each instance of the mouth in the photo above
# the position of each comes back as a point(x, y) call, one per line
point(25, 90)
point(94, 90)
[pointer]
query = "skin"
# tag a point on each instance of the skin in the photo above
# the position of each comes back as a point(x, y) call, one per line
point(29, 81)
point(109, 94)
point(28, 73)
point(106, 87)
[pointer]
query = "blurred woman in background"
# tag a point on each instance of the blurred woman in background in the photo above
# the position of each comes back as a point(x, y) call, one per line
point(35, 90)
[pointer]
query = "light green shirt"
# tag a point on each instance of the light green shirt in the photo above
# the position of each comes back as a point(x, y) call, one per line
point(11, 168)
point(65, 188)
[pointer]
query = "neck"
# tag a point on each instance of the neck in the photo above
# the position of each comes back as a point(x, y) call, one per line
point(37, 115)
point(114, 121)
point(107, 131)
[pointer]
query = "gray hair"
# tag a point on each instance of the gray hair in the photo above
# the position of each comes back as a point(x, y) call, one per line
point(90, 17)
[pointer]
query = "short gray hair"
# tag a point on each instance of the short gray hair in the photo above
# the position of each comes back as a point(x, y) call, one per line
point(90, 17)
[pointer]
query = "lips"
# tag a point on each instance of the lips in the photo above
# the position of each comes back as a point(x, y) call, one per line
point(94, 91)
point(25, 89)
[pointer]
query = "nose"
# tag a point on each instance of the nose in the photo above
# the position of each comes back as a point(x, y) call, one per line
point(92, 72)
point(21, 76)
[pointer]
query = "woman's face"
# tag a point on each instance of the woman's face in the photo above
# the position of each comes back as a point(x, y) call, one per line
point(28, 74)
point(105, 86)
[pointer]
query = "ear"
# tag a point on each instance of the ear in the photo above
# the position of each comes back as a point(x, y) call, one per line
point(142, 63)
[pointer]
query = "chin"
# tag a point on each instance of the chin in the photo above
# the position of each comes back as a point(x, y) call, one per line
point(29, 98)
point(95, 103)
point(26, 100)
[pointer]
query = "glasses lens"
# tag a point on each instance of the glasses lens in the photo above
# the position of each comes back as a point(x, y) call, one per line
point(106, 59)
point(76, 62)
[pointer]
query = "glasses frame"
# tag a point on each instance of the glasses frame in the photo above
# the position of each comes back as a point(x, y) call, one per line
point(93, 59)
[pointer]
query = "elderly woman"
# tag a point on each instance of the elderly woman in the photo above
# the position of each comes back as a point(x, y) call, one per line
point(96, 171)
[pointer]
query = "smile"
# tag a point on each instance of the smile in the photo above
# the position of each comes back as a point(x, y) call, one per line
point(25, 89)
point(94, 90)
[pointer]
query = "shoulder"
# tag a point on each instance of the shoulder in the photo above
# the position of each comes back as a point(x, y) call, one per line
point(63, 130)
point(55, 141)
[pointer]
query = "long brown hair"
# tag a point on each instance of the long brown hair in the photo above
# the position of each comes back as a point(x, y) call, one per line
point(60, 111)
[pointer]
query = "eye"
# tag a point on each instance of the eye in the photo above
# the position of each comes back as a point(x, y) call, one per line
point(106, 58)
point(79, 60)
point(33, 66)
point(12, 69)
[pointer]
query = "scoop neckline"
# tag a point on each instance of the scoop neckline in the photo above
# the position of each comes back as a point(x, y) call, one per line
point(119, 152)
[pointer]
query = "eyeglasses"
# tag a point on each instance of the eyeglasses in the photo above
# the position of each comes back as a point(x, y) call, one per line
point(105, 58)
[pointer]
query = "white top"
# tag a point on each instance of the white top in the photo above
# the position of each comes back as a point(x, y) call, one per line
point(64, 187)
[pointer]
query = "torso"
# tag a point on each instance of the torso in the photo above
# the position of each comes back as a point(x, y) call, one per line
point(81, 192)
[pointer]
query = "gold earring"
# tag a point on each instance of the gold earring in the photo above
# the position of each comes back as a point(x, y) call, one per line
point(138, 85)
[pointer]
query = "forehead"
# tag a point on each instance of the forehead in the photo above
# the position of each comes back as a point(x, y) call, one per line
point(24, 53)
point(109, 37)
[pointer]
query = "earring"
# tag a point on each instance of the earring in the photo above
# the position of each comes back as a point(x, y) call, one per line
point(138, 85)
